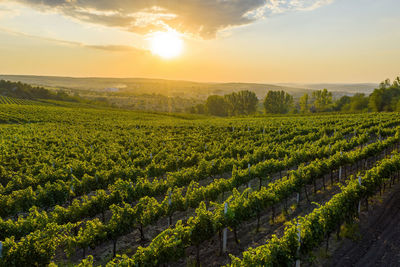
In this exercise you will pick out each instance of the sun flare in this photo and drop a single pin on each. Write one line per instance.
(166, 44)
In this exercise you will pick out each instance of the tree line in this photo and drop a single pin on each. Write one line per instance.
(384, 98)
(234, 104)
(27, 91)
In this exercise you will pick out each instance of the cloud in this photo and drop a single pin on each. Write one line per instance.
(282, 6)
(7, 12)
(203, 18)
(116, 48)
(112, 48)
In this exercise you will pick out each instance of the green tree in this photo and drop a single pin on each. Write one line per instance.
(304, 103)
(233, 104)
(322, 100)
(216, 105)
(278, 102)
(386, 97)
(342, 104)
(248, 101)
(241, 103)
(200, 109)
(359, 102)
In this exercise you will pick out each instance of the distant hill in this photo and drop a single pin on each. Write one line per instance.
(17, 92)
(168, 95)
(349, 88)
(185, 89)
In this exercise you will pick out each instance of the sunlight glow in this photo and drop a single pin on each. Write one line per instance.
(166, 44)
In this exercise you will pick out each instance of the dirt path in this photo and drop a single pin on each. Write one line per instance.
(379, 243)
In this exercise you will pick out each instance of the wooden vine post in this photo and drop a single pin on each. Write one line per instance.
(169, 204)
(340, 168)
(298, 248)
(225, 231)
(359, 202)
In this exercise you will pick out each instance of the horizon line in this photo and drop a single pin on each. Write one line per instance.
(193, 81)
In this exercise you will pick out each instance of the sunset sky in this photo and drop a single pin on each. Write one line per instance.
(213, 40)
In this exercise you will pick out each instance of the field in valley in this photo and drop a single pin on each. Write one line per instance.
(121, 188)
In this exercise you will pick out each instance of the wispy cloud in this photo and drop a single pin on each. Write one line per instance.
(282, 6)
(116, 48)
(112, 48)
(203, 18)
(7, 12)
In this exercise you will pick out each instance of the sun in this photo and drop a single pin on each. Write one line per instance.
(166, 44)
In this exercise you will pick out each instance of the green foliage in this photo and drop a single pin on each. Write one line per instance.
(278, 102)
(321, 100)
(26, 91)
(243, 206)
(304, 103)
(241, 103)
(386, 97)
(316, 226)
(234, 104)
(342, 104)
(216, 106)
(75, 179)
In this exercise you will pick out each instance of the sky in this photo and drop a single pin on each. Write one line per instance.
(264, 41)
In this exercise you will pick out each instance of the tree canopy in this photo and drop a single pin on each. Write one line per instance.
(241, 103)
(278, 102)
(322, 100)
(386, 97)
(216, 105)
(26, 91)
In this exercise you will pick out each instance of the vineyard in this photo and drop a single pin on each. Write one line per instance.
(17, 101)
(85, 187)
